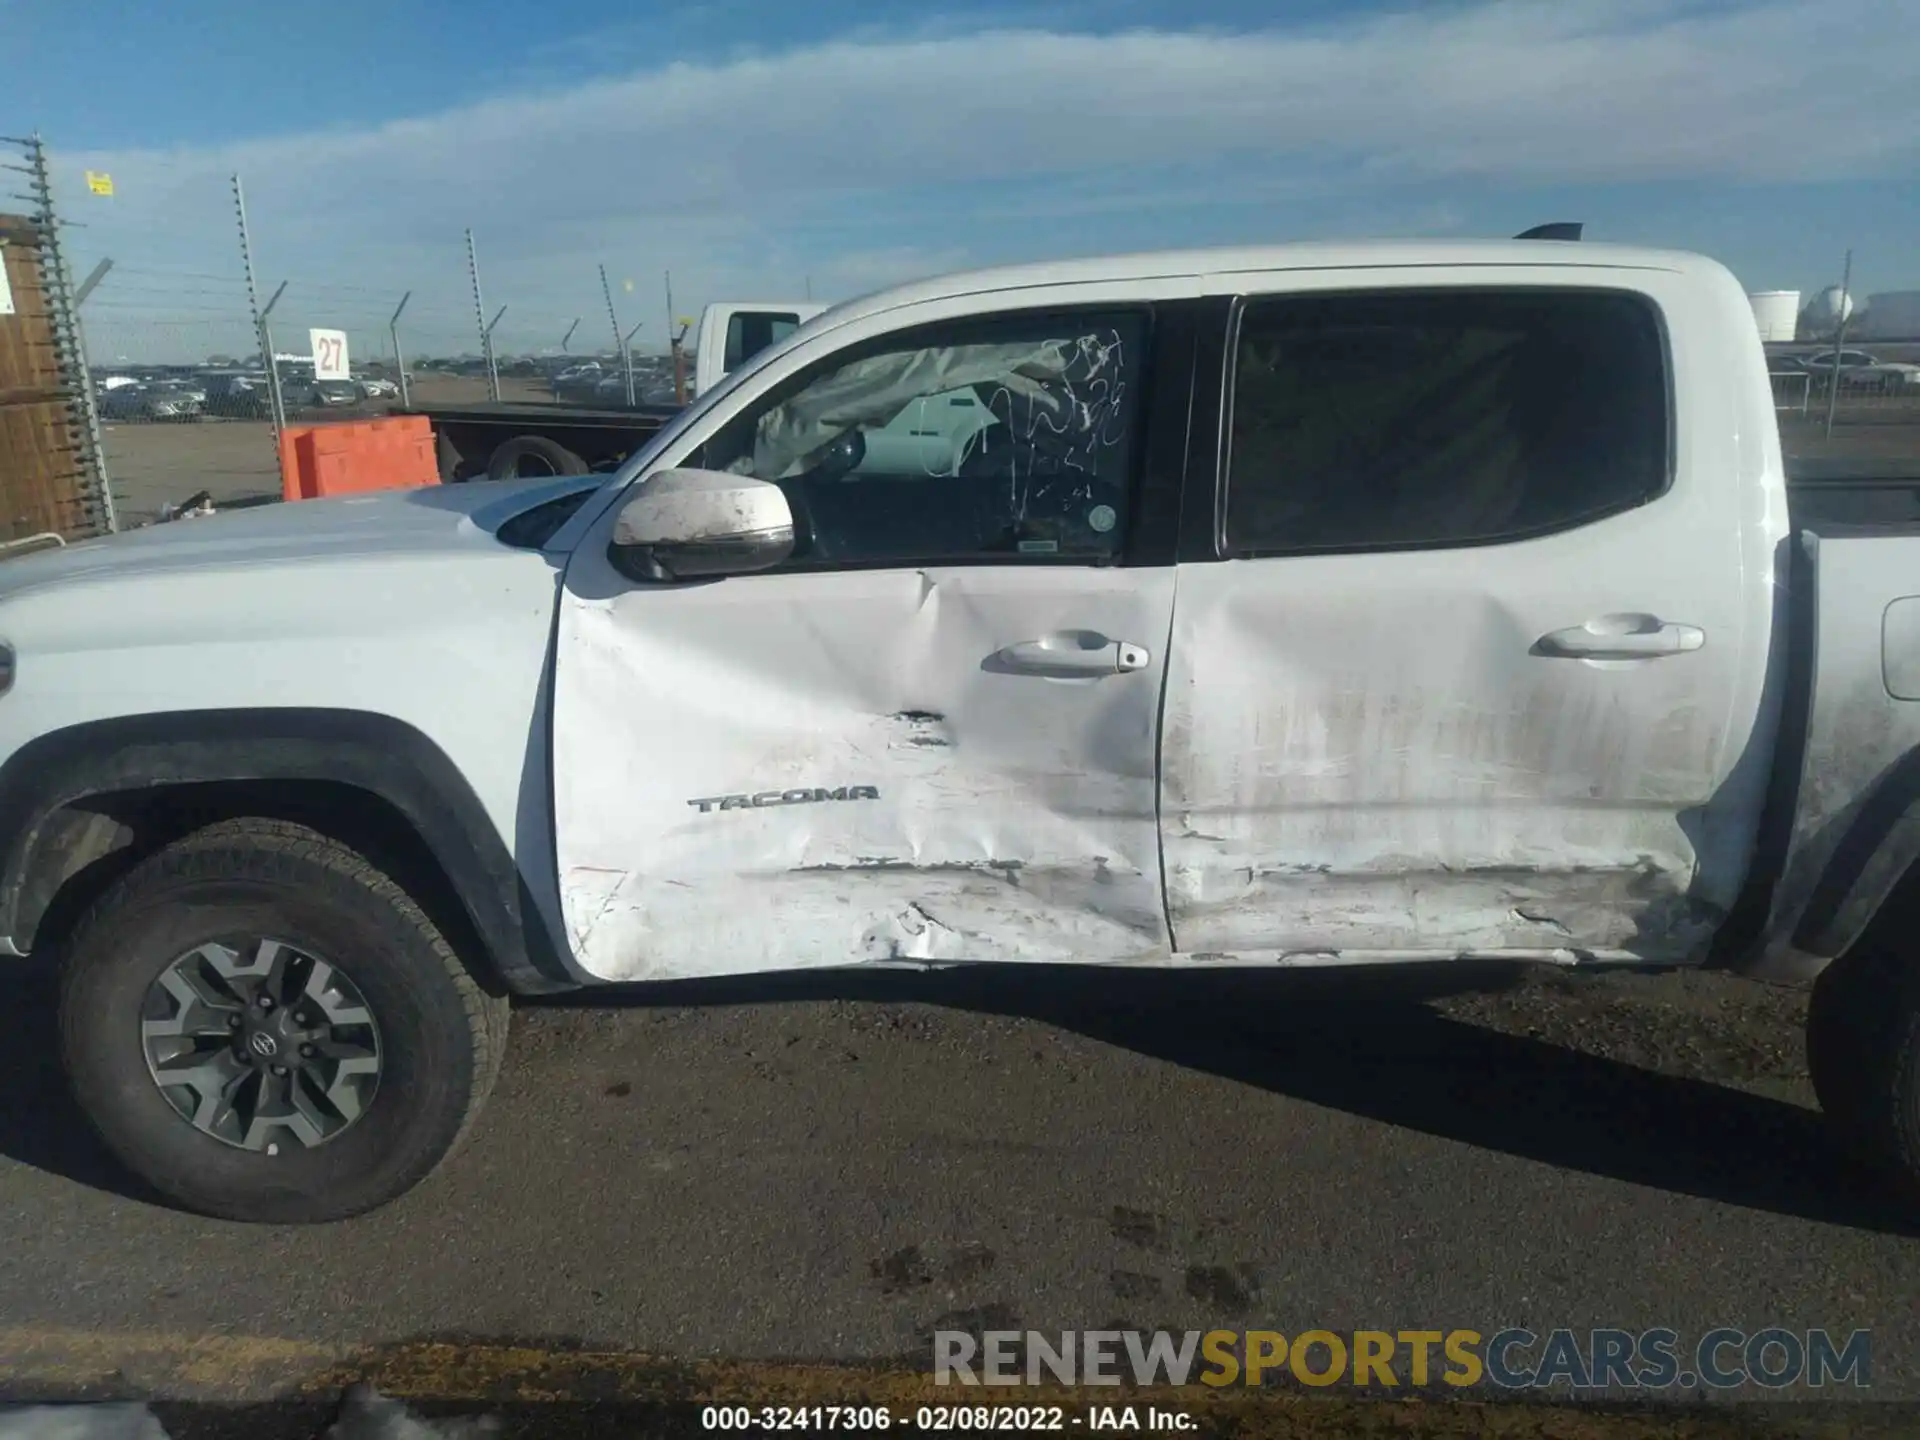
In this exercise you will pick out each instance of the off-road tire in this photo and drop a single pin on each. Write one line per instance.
(1863, 1052)
(551, 457)
(442, 1036)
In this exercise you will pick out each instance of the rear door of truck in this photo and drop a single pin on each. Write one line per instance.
(1470, 645)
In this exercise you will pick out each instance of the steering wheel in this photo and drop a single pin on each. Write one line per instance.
(838, 457)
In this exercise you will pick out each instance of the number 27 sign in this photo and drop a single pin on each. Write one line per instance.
(329, 354)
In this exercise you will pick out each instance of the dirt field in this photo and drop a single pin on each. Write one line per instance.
(830, 1167)
(1880, 432)
(151, 465)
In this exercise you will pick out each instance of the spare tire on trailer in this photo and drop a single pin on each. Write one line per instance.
(533, 455)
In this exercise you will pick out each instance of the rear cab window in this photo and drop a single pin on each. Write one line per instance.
(751, 331)
(1405, 419)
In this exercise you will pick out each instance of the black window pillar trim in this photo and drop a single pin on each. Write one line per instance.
(1154, 497)
(1202, 499)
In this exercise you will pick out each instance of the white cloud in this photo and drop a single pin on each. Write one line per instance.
(753, 172)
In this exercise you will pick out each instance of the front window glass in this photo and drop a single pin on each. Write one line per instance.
(1006, 438)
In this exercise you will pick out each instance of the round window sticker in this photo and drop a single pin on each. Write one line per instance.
(1101, 519)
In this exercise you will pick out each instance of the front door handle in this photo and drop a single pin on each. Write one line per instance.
(1621, 637)
(1069, 654)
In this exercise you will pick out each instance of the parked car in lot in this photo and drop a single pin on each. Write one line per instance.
(373, 387)
(1302, 606)
(320, 394)
(1858, 370)
(238, 396)
(151, 401)
(576, 382)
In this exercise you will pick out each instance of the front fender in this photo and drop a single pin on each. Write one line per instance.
(384, 757)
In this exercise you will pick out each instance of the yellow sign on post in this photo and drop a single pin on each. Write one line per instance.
(99, 182)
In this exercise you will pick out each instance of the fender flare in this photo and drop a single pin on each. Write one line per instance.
(1876, 845)
(385, 757)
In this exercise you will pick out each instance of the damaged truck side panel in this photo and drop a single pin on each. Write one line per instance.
(1305, 605)
(1014, 811)
(986, 815)
(1364, 753)
(1389, 749)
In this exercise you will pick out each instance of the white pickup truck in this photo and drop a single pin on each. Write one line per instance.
(1307, 605)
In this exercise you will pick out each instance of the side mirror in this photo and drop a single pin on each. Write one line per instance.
(693, 524)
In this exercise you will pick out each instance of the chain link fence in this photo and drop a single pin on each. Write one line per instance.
(195, 335)
(1863, 401)
(52, 483)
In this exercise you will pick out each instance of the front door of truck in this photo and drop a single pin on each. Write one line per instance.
(932, 734)
(1477, 664)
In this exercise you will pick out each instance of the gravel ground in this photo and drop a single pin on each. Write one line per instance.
(150, 465)
(825, 1169)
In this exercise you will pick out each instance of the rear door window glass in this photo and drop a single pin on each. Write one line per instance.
(1394, 419)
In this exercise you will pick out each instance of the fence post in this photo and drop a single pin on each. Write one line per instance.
(274, 397)
(493, 368)
(276, 403)
(675, 341)
(480, 319)
(88, 285)
(399, 355)
(1839, 340)
(626, 358)
(613, 321)
(63, 312)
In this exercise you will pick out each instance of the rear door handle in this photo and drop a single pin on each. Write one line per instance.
(1621, 637)
(1069, 654)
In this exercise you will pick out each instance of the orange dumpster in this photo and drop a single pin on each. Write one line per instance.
(317, 461)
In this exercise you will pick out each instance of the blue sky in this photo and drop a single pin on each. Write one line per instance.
(759, 147)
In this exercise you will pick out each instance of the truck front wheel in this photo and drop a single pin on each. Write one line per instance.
(265, 1027)
(1863, 1052)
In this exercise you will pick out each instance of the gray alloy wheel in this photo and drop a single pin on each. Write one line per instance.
(259, 1043)
(171, 1052)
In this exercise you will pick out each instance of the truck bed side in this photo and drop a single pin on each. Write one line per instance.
(1850, 806)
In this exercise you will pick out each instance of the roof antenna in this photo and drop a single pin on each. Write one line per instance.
(1553, 230)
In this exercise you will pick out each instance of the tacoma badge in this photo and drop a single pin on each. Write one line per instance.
(709, 803)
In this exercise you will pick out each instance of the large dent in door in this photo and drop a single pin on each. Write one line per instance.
(747, 784)
(1474, 812)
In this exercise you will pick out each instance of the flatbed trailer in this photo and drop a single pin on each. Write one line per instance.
(508, 439)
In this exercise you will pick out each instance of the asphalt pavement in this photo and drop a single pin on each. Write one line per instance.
(829, 1168)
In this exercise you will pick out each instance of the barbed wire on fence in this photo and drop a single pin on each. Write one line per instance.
(171, 328)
